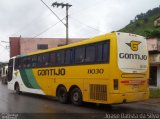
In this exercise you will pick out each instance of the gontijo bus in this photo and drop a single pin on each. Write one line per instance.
(108, 69)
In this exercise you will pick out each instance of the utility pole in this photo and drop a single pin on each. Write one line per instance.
(67, 5)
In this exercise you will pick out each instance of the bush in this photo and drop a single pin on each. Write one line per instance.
(155, 93)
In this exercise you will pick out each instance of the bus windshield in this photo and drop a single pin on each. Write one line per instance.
(132, 53)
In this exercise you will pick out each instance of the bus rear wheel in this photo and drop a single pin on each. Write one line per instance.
(76, 97)
(62, 95)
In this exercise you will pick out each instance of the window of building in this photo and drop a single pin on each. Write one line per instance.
(90, 53)
(42, 46)
(79, 54)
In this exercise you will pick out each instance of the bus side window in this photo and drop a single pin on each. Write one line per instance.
(52, 59)
(90, 54)
(106, 52)
(24, 62)
(28, 62)
(69, 56)
(40, 59)
(16, 63)
(34, 61)
(20, 63)
(99, 52)
(45, 58)
(10, 69)
(60, 57)
(103, 51)
(79, 54)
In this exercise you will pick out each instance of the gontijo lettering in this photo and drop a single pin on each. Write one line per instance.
(132, 56)
(51, 72)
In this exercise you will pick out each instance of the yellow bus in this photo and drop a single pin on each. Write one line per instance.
(108, 69)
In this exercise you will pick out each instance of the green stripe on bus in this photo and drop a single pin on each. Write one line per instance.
(24, 78)
(32, 79)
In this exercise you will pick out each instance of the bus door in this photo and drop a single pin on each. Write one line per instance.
(10, 70)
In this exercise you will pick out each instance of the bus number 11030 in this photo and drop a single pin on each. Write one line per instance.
(95, 71)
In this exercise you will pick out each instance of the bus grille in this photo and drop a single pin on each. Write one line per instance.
(98, 92)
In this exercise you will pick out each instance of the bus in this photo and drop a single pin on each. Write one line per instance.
(108, 69)
(3, 74)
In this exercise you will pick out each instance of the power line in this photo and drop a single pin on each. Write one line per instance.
(73, 19)
(26, 25)
(83, 9)
(30, 23)
(4, 47)
(85, 24)
(61, 20)
(47, 29)
(53, 12)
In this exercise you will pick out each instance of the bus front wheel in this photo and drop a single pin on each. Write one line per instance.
(76, 96)
(62, 95)
(17, 88)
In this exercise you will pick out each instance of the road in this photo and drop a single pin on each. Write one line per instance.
(10, 102)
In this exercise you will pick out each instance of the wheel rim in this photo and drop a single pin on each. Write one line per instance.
(76, 96)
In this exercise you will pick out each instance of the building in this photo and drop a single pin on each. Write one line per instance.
(20, 45)
(157, 22)
(154, 51)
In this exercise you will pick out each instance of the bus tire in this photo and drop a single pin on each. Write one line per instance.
(62, 95)
(76, 96)
(17, 88)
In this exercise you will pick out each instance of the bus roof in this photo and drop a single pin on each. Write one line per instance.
(94, 39)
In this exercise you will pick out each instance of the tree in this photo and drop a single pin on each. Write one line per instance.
(145, 19)
(152, 34)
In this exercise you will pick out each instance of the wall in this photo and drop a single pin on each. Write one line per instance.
(20, 45)
(158, 76)
(157, 22)
(14, 46)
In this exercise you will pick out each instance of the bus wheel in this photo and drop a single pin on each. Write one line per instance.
(17, 88)
(62, 95)
(76, 96)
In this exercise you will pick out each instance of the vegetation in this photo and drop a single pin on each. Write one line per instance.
(143, 24)
(154, 93)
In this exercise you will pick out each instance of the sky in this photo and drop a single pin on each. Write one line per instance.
(87, 18)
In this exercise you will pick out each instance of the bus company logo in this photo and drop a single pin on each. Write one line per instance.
(134, 45)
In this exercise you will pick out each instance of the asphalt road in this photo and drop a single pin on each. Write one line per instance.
(10, 102)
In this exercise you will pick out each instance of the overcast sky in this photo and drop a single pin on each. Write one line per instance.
(88, 18)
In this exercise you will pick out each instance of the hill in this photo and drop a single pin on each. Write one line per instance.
(143, 24)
